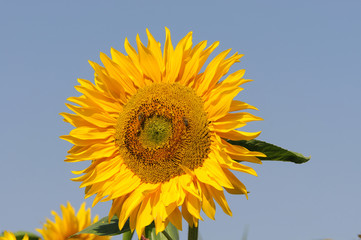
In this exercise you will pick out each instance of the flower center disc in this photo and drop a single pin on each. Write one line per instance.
(162, 129)
(155, 132)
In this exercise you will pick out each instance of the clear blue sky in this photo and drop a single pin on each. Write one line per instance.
(303, 55)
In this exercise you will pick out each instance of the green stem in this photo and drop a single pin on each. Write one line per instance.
(192, 233)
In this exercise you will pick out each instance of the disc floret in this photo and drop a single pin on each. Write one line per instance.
(155, 132)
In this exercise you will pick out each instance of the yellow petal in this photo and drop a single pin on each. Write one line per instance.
(175, 58)
(192, 221)
(108, 84)
(133, 55)
(208, 205)
(116, 72)
(154, 47)
(75, 120)
(220, 198)
(133, 218)
(128, 67)
(176, 218)
(148, 62)
(144, 217)
(101, 120)
(203, 177)
(232, 121)
(103, 100)
(215, 172)
(191, 67)
(238, 135)
(95, 151)
(129, 205)
(218, 105)
(238, 105)
(211, 72)
(241, 153)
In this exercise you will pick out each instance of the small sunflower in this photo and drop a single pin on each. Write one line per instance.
(156, 128)
(11, 236)
(62, 229)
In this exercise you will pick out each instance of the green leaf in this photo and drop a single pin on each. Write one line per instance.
(20, 235)
(172, 231)
(169, 233)
(273, 152)
(105, 228)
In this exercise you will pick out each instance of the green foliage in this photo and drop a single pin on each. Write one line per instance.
(105, 228)
(20, 235)
(273, 152)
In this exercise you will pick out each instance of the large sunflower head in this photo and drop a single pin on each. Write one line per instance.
(63, 228)
(156, 128)
(10, 236)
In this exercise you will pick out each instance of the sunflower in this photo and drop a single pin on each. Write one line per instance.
(156, 128)
(62, 229)
(11, 236)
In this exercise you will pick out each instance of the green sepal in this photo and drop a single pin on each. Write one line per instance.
(105, 228)
(169, 233)
(273, 152)
(128, 235)
(20, 235)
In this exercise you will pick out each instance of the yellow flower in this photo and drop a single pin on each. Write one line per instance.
(155, 128)
(11, 236)
(61, 229)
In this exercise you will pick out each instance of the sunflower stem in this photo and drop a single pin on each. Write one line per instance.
(192, 233)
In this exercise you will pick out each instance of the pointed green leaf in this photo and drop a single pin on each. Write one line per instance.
(20, 235)
(105, 228)
(273, 152)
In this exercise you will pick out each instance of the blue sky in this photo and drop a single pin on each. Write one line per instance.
(303, 55)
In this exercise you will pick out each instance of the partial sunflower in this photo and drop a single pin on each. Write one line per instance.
(156, 128)
(10, 236)
(62, 229)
